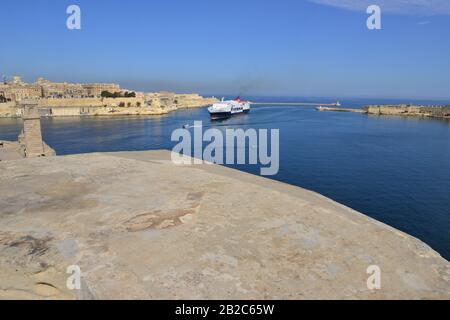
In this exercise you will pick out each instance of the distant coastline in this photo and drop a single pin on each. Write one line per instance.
(91, 99)
(162, 103)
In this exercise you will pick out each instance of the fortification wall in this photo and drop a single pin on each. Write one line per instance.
(159, 104)
(8, 110)
(193, 101)
(91, 102)
(437, 111)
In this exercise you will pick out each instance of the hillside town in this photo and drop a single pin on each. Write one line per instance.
(78, 99)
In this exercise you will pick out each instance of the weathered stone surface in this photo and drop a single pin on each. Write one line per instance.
(140, 227)
(8, 110)
(30, 143)
(32, 134)
(11, 150)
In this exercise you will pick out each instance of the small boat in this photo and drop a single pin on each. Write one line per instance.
(229, 108)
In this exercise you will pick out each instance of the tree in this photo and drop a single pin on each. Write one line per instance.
(106, 94)
(130, 95)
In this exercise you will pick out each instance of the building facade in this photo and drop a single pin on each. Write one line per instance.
(17, 90)
(96, 89)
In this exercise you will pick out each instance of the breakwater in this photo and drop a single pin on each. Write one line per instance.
(321, 108)
(306, 104)
(398, 110)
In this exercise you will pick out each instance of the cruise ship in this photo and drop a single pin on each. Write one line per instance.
(228, 108)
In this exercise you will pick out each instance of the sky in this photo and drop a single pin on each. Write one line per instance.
(307, 48)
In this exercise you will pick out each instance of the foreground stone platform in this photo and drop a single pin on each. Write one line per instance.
(140, 227)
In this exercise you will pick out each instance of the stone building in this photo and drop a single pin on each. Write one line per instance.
(75, 90)
(3, 92)
(17, 80)
(161, 100)
(17, 92)
(96, 89)
(63, 90)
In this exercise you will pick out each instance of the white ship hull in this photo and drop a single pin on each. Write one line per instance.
(226, 109)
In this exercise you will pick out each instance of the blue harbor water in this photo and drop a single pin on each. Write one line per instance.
(394, 169)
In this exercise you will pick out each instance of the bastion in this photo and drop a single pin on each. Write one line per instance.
(139, 227)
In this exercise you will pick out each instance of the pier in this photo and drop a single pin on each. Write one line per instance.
(310, 104)
(322, 108)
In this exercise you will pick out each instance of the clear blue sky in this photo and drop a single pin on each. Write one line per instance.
(251, 47)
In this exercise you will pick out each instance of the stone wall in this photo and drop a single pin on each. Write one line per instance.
(409, 110)
(11, 150)
(75, 102)
(91, 102)
(157, 103)
(193, 101)
(8, 110)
